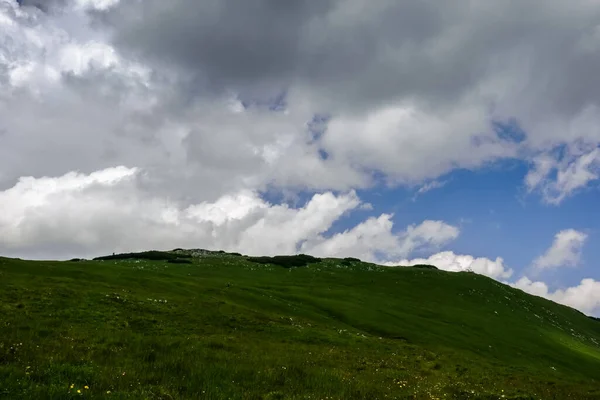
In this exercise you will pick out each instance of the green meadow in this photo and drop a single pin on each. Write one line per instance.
(210, 325)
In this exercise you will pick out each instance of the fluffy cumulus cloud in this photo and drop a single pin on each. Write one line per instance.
(448, 261)
(584, 297)
(565, 250)
(112, 210)
(375, 240)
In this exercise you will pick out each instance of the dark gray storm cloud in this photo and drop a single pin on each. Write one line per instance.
(369, 52)
(44, 5)
(230, 42)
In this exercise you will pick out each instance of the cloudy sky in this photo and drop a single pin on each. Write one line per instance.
(463, 134)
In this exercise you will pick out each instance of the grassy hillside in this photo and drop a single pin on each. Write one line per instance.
(226, 326)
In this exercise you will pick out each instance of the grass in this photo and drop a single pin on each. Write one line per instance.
(299, 260)
(224, 327)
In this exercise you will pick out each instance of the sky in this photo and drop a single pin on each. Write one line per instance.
(461, 134)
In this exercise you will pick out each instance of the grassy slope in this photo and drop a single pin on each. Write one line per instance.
(224, 327)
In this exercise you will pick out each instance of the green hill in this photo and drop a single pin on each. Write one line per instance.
(212, 325)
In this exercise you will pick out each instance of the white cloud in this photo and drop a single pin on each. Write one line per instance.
(110, 210)
(410, 144)
(584, 297)
(527, 285)
(571, 174)
(565, 250)
(374, 240)
(448, 261)
(282, 229)
(436, 233)
(96, 4)
(429, 186)
(79, 59)
(542, 166)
